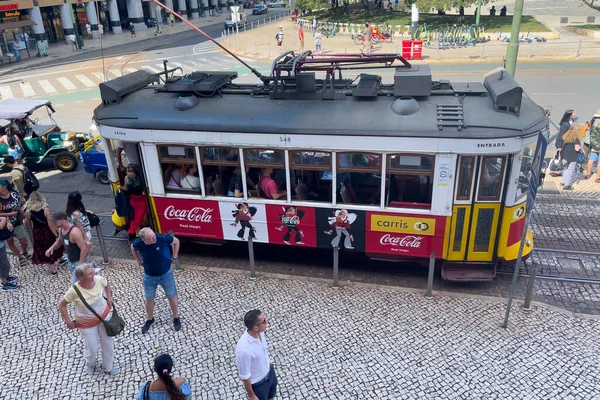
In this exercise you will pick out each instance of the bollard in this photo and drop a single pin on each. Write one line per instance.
(251, 257)
(482, 50)
(251, 24)
(531, 49)
(336, 260)
(529, 294)
(429, 294)
(269, 47)
(255, 50)
(177, 266)
(102, 246)
(578, 49)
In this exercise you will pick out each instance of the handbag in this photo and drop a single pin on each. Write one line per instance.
(581, 158)
(93, 218)
(114, 325)
(122, 204)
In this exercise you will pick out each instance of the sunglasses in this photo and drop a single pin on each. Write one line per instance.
(263, 322)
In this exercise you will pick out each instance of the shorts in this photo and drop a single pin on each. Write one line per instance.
(17, 152)
(594, 156)
(166, 280)
(267, 388)
(19, 231)
(279, 43)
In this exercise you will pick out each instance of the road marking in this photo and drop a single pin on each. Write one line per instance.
(129, 70)
(27, 89)
(85, 80)
(206, 48)
(99, 76)
(6, 92)
(116, 73)
(47, 86)
(161, 66)
(66, 83)
(155, 70)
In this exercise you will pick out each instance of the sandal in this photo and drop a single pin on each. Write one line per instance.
(597, 180)
(586, 176)
(22, 261)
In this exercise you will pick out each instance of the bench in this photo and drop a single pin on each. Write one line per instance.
(7, 57)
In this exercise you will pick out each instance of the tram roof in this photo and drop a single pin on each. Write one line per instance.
(239, 112)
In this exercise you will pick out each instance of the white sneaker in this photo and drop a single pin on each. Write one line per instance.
(113, 371)
(91, 370)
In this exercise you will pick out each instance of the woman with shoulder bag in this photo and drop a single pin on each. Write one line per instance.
(37, 217)
(570, 153)
(165, 387)
(88, 292)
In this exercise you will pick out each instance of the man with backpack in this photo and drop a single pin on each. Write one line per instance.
(23, 179)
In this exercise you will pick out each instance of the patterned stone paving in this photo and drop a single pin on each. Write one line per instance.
(357, 342)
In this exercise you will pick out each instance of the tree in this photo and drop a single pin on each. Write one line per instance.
(444, 5)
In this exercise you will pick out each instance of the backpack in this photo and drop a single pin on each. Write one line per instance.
(30, 182)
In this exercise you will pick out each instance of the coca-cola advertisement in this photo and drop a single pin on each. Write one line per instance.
(243, 220)
(341, 228)
(291, 225)
(185, 217)
(405, 235)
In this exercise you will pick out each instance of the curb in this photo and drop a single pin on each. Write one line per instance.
(343, 284)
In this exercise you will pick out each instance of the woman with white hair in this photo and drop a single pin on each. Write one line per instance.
(92, 288)
(37, 217)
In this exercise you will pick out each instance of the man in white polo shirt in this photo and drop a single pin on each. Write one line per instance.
(252, 358)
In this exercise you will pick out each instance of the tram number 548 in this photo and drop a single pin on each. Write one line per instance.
(285, 139)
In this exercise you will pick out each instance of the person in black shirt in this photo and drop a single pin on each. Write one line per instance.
(134, 185)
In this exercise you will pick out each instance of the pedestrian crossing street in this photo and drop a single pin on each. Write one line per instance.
(54, 84)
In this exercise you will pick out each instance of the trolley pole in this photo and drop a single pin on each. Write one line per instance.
(336, 261)
(515, 277)
(478, 14)
(512, 51)
(251, 256)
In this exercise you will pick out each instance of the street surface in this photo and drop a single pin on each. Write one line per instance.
(375, 338)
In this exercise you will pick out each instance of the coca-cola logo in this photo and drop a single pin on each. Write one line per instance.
(291, 220)
(401, 241)
(196, 214)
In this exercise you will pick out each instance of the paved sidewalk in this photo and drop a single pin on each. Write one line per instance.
(359, 342)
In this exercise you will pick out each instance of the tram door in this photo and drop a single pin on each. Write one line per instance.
(477, 207)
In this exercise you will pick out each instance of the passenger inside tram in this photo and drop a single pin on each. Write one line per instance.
(174, 175)
(236, 187)
(268, 186)
(192, 179)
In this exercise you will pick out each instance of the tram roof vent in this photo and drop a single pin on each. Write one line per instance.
(112, 92)
(414, 81)
(505, 91)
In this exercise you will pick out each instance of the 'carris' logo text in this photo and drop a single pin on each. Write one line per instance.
(401, 241)
(196, 214)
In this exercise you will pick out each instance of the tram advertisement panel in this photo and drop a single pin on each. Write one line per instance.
(405, 235)
(340, 227)
(189, 217)
(292, 225)
(243, 220)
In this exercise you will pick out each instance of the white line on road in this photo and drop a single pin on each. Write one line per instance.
(129, 70)
(6, 92)
(66, 83)
(99, 76)
(116, 73)
(85, 80)
(27, 89)
(47, 86)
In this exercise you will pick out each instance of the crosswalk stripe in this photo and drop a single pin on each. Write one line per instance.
(85, 80)
(129, 70)
(6, 92)
(152, 69)
(115, 72)
(161, 66)
(66, 83)
(47, 86)
(99, 75)
(27, 89)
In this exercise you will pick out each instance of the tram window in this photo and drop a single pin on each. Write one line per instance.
(219, 156)
(358, 178)
(262, 158)
(490, 178)
(180, 168)
(410, 179)
(466, 170)
(525, 171)
(222, 172)
(310, 182)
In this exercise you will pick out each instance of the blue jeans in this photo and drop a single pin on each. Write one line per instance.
(569, 173)
(72, 266)
(166, 280)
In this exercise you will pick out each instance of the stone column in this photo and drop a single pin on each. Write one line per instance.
(223, 5)
(194, 9)
(115, 18)
(90, 10)
(169, 4)
(40, 34)
(204, 7)
(182, 8)
(212, 7)
(136, 14)
(66, 19)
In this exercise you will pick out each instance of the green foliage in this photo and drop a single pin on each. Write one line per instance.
(590, 27)
(446, 5)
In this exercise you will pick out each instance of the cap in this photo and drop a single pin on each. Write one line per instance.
(597, 115)
(281, 26)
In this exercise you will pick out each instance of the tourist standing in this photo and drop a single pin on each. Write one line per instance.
(73, 239)
(92, 289)
(37, 216)
(8, 282)
(151, 251)
(10, 206)
(300, 37)
(279, 38)
(165, 387)
(570, 151)
(252, 358)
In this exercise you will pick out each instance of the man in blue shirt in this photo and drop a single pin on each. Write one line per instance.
(151, 251)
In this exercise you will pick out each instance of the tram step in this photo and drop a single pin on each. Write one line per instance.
(469, 272)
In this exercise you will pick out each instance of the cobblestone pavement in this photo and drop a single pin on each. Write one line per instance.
(357, 342)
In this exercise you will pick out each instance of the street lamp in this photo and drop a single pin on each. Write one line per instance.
(478, 14)
(512, 51)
